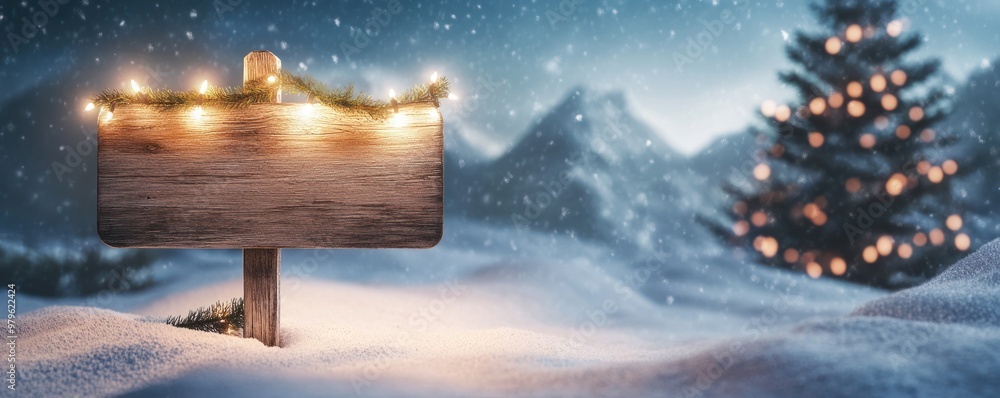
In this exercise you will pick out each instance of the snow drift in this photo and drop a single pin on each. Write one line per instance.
(498, 331)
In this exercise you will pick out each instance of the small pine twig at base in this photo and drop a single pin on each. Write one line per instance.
(221, 317)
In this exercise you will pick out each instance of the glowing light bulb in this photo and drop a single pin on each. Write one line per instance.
(878, 83)
(905, 251)
(434, 77)
(833, 45)
(894, 28)
(814, 270)
(838, 266)
(767, 108)
(452, 97)
(782, 113)
(870, 254)
(855, 89)
(197, 112)
(954, 222)
(853, 33)
(271, 79)
(89, 107)
(949, 167)
(816, 139)
(962, 242)
(896, 184)
(203, 88)
(856, 108)
(108, 116)
(135, 86)
(935, 174)
(867, 140)
(889, 102)
(817, 106)
(392, 94)
(761, 172)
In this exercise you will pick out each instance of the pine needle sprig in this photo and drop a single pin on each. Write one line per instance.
(345, 99)
(221, 317)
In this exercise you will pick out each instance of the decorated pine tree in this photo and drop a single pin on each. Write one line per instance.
(854, 180)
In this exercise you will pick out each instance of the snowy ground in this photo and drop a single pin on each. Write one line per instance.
(463, 320)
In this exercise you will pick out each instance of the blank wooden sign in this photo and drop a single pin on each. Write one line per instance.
(270, 176)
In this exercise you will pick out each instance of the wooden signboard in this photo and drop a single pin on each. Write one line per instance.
(269, 176)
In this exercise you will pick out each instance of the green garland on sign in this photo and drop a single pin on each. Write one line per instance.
(259, 91)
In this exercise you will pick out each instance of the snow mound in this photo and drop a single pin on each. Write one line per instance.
(495, 332)
(966, 293)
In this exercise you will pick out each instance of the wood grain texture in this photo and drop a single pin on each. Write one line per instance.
(261, 290)
(270, 176)
(261, 65)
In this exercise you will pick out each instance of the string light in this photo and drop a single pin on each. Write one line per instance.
(759, 219)
(392, 99)
(741, 228)
(833, 45)
(898, 77)
(894, 186)
(762, 172)
(89, 107)
(935, 174)
(923, 167)
(816, 139)
(867, 140)
(769, 247)
(814, 270)
(791, 255)
(904, 251)
(937, 237)
(197, 112)
(782, 113)
(877, 83)
(271, 79)
(950, 167)
(870, 254)
(434, 77)
(767, 108)
(817, 106)
(853, 33)
(452, 96)
(894, 28)
(920, 239)
(954, 222)
(852, 185)
(836, 100)
(884, 245)
(204, 87)
(889, 102)
(135, 87)
(962, 242)
(838, 266)
(916, 113)
(856, 108)
(927, 135)
(903, 131)
(855, 89)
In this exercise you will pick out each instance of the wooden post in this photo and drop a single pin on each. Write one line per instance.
(260, 295)
(261, 266)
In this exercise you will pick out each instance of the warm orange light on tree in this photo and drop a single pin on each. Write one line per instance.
(856, 108)
(950, 167)
(817, 106)
(877, 83)
(954, 222)
(838, 266)
(854, 33)
(898, 78)
(962, 242)
(836, 100)
(920, 239)
(867, 140)
(903, 132)
(815, 139)
(870, 254)
(833, 45)
(814, 270)
(762, 172)
(855, 89)
(889, 102)
(894, 186)
(936, 236)
(884, 245)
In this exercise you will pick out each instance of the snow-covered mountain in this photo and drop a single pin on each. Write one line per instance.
(588, 168)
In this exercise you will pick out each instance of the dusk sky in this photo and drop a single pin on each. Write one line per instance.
(528, 45)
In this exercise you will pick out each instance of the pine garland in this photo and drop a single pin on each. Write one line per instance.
(258, 91)
(221, 317)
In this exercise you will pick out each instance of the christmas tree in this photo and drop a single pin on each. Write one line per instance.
(853, 181)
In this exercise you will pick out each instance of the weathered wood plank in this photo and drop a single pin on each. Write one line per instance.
(261, 291)
(271, 175)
